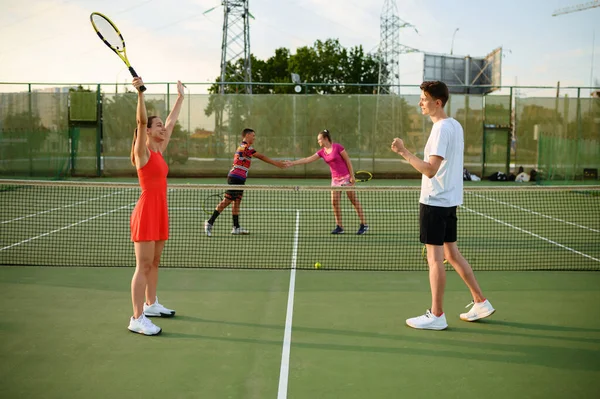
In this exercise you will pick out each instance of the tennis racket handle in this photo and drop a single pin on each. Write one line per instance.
(135, 75)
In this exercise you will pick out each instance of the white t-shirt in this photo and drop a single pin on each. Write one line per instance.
(445, 189)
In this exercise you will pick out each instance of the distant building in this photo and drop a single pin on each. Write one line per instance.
(201, 133)
(49, 104)
(64, 89)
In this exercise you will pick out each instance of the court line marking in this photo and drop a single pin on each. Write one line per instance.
(68, 226)
(77, 223)
(63, 207)
(287, 334)
(531, 234)
(536, 213)
(303, 210)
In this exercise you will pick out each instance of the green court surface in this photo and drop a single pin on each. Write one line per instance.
(63, 335)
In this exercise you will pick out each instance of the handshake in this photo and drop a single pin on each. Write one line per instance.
(285, 164)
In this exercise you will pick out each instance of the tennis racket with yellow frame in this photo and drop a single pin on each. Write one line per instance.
(109, 33)
(362, 176)
(210, 202)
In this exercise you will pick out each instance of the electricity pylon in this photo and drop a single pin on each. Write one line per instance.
(577, 7)
(390, 48)
(389, 108)
(235, 47)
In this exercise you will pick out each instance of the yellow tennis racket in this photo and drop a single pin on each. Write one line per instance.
(109, 33)
(209, 204)
(363, 175)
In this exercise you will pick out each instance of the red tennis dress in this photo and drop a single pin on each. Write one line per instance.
(150, 218)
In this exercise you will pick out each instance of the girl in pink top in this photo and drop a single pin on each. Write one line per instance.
(342, 174)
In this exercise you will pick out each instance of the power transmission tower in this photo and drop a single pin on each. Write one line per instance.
(390, 48)
(235, 48)
(577, 7)
(236, 66)
(390, 107)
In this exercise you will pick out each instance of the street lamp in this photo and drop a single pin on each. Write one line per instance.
(452, 47)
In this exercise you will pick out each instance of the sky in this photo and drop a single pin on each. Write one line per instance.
(53, 41)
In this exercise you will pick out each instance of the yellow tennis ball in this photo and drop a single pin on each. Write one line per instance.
(318, 265)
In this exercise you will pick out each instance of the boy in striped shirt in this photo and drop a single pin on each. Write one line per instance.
(242, 160)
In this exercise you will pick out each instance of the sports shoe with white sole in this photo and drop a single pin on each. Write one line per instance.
(143, 325)
(157, 310)
(478, 311)
(239, 230)
(337, 230)
(362, 229)
(428, 321)
(208, 228)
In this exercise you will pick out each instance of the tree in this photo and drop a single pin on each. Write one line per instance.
(328, 62)
(325, 62)
(25, 130)
(119, 120)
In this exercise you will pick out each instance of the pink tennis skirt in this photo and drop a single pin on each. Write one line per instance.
(340, 181)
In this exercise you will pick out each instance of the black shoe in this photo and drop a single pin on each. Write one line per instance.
(337, 230)
(363, 229)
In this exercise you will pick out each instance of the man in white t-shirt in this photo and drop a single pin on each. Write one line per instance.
(441, 194)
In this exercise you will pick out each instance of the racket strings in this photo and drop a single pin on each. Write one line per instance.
(210, 203)
(108, 32)
(363, 176)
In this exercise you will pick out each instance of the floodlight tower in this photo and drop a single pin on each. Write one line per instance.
(235, 48)
(390, 48)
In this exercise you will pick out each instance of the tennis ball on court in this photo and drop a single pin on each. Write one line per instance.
(318, 265)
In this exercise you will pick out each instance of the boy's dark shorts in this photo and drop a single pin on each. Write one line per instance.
(437, 224)
(234, 195)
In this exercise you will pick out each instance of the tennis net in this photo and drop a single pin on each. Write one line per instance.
(505, 228)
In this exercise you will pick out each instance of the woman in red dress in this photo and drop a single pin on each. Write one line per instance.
(150, 218)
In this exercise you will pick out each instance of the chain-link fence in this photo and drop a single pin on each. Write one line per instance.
(62, 131)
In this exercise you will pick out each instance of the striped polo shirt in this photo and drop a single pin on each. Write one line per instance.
(241, 161)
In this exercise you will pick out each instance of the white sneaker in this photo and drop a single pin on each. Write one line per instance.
(478, 311)
(143, 325)
(208, 228)
(157, 310)
(428, 321)
(239, 230)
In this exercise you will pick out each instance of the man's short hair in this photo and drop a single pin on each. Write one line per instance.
(246, 131)
(437, 90)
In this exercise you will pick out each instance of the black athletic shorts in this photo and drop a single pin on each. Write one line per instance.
(234, 195)
(438, 224)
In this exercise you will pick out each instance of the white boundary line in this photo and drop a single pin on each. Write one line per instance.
(536, 213)
(532, 234)
(77, 223)
(303, 210)
(67, 227)
(287, 335)
(62, 207)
